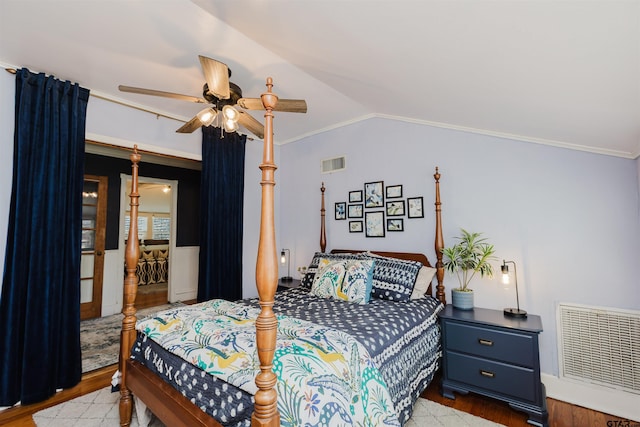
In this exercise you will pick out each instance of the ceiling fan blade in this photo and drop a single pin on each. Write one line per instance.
(190, 126)
(216, 74)
(288, 105)
(153, 92)
(292, 105)
(247, 121)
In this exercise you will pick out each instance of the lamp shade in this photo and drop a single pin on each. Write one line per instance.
(206, 116)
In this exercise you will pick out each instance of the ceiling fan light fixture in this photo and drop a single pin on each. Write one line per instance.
(207, 116)
(230, 113)
(230, 125)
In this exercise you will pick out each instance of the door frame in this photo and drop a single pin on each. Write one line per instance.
(124, 204)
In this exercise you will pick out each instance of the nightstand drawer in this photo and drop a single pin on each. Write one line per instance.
(509, 380)
(497, 344)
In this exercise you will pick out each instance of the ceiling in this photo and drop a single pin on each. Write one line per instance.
(558, 72)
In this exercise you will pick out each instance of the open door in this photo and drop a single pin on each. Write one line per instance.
(94, 224)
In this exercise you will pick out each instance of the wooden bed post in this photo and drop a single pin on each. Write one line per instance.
(323, 233)
(266, 409)
(439, 243)
(132, 253)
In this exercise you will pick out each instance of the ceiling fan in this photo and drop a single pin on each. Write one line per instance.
(223, 96)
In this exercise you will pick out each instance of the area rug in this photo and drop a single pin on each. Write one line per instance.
(100, 338)
(100, 408)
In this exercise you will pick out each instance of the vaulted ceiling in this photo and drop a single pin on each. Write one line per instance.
(564, 73)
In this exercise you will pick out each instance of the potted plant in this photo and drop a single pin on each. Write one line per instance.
(472, 254)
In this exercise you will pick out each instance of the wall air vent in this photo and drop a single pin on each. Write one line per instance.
(333, 165)
(600, 346)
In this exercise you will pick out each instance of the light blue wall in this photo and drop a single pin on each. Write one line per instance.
(569, 219)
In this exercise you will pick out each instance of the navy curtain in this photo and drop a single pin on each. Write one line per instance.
(221, 202)
(40, 300)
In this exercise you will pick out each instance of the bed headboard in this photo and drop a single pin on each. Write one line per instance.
(407, 256)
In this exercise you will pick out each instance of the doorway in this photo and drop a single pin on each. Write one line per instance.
(156, 236)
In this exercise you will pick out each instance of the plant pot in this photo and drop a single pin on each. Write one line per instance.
(462, 300)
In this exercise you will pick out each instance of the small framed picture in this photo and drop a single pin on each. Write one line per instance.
(355, 211)
(341, 210)
(355, 226)
(395, 224)
(373, 196)
(374, 224)
(393, 192)
(395, 208)
(415, 207)
(355, 196)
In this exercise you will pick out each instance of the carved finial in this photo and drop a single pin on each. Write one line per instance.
(135, 156)
(437, 175)
(269, 99)
(322, 188)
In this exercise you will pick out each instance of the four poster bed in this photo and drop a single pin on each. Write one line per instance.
(356, 343)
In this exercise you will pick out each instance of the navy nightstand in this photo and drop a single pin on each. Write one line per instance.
(283, 285)
(487, 353)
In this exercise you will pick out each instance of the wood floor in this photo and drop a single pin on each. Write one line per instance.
(561, 414)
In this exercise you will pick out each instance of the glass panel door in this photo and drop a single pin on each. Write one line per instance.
(94, 195)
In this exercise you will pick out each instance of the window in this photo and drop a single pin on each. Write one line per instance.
(142, 226)
(161, 228)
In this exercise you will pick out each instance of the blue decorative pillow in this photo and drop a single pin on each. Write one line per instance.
(307, 280)
(393, 279)
(328, 279)
(358, 280)
(346, 280)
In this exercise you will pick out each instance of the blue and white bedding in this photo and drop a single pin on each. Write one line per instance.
(401, 340)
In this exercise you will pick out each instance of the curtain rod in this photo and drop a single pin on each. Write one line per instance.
(11, 70)
(117, 101)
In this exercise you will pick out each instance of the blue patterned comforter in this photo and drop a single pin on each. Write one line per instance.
(403, 338)
(400, 340)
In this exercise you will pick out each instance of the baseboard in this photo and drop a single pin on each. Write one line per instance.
(602, 399)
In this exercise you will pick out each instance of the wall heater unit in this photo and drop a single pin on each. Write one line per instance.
(600, 346)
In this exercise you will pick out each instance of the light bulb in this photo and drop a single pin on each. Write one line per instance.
(505, 278)
(230, 126)
(230, 113)
(207, 116)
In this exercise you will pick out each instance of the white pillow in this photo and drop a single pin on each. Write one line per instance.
(425, 276)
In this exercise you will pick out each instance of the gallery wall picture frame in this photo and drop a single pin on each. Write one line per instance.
(355, 227)
(415, 207)
(395, 224)
(393, 192)
(395, 208)
(341, 210)
(374, 224)
(373, 194)
(355, 211)
(355, 196)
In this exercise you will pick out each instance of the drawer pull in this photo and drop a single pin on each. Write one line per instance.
(485, 342)
(487, 374)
